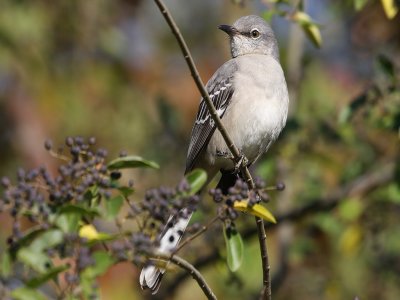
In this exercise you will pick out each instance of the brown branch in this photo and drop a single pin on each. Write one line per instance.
(180, 262)
(228, 140)
(358, 187)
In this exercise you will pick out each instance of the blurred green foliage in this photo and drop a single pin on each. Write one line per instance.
(112, 69)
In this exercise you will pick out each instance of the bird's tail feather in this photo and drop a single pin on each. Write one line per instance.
(150, 276)
(228, 179)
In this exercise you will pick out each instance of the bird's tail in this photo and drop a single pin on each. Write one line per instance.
(150, 276)
(228, 179)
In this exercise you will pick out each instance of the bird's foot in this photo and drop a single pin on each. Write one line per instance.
(241, 163)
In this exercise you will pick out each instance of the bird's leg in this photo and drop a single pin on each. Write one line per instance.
(242, 162)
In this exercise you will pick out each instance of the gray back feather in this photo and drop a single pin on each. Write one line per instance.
(220, 89)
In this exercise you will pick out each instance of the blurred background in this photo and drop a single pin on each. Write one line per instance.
(113, 70)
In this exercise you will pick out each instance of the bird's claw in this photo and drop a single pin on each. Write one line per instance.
(242, 162)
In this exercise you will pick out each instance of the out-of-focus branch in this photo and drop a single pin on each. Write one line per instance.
(266, 293)
(180, 262)
(358, 187)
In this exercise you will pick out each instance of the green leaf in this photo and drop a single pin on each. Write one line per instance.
(196, 178)
(350, 209)
(102, 262)
(5, 264)
(68, 222)
(78, 209)
(348, 111)
(38, 261)
(33, 254)
(24, 293)
(268, 14)
(91, 193)
(126, 191)
(43, 278)
(256, 210)
(390, 7)
(309, 27)
(28, 238)
(131, 161)
(234, 247)
(70, 216)
(386, 65)
(359, 4)
(113, 206)
(48, 239)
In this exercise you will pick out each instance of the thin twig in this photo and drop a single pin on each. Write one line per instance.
(228, 140)
(180, 262)
(191, 238)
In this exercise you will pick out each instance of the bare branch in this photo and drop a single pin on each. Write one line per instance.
(180, 262)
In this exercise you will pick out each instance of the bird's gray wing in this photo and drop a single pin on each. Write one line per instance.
(220, 89)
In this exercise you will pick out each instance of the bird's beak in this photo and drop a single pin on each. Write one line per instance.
(230, 30)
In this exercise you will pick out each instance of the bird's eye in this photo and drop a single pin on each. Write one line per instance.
(255, 34)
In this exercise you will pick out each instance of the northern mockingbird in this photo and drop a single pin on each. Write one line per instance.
(250, 94)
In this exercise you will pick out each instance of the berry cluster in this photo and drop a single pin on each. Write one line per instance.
(84, 182)
(38, 194)
(158, 205)
(240, 191)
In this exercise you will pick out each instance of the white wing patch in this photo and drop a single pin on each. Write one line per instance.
(220, 102)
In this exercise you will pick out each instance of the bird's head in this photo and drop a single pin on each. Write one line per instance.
(251, 35)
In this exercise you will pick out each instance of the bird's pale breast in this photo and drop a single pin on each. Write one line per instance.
(256, 115)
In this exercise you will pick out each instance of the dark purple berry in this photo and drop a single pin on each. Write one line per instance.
(21, 174)
(69, 141)
(48, 144)
(75, 150)
(5, 182)
(280, 186)
(92, 140)
(115, 175)
(79, 140)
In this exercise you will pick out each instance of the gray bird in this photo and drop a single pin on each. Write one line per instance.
(250, 94)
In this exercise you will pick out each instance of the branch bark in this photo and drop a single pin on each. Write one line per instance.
(180, 262)
(266, 291)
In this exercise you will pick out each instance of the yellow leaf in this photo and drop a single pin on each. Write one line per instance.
(89, 232)
(350, 240)
(390, 8)
(310, 28)
(256, 210)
